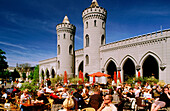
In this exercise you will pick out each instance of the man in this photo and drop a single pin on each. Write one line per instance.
(96, 100)
(162, 101)
(107, 104)
(41, 98)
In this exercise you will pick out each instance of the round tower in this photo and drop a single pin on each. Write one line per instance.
(94, 20)
(65, 47)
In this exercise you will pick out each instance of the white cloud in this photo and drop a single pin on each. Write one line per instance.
(13, 45)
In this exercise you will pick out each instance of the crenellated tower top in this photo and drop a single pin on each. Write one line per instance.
(94, 11)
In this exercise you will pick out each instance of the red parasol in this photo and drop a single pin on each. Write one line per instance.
(81, 76)
(119, 76)
(65, 77)
(138, 74)
(115, 77)
(93, 79)
(99, 74)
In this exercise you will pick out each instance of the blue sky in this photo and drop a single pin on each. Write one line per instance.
(28, 34)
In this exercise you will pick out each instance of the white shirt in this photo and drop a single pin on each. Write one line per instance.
(4, 95)
(25, 98)
(147, 95)
(19, 85)
(110, 107)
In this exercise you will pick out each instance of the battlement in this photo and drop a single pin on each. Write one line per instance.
(159, 35)
(65, 25)
(97, 12)
(54, 59)
(79, 52)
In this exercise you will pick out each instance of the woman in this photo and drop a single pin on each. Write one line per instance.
(24, 98)
(162, 101)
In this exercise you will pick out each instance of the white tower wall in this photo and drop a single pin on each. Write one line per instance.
(65, 47)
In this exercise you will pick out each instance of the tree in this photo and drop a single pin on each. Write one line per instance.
(24, 75)
(3, 63)
(15, 74)
(36, 73)
(31, 75)
(24, 68)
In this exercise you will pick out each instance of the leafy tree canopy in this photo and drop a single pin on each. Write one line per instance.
(3, 63)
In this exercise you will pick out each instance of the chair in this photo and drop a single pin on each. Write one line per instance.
(88, 109)
(139, 103)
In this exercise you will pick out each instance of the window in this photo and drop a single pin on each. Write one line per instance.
(70, 49)
(58, 49)
(87, 40)
(58, 64)
(64, 36)
(87, 59)
(71, 37)
(86, 25)
(103, 25)
(102, 40)
(95, 23)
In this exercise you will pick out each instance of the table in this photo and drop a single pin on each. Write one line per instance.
(34, 106)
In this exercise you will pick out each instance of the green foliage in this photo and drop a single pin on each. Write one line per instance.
(3, 63)
(36, 73)
(15, 74)
(85, 79)
(30, 86)
(56, 79)
(75, 80)
(31, 76)
(24, 75)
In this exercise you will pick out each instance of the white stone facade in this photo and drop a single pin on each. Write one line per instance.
(148, 54)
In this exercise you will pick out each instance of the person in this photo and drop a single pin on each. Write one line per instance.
(4, 94)
(162, 101)
(24, 97)
(41, 98)
(131, 97)
(67, 104)
(79, 99)
(107, 104)
(96, 99)
(19, 85)
(48, 82)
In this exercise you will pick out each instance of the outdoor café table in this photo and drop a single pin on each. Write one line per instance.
(34, 106)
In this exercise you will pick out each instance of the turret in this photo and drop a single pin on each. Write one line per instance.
(65, 47)
(94, 20)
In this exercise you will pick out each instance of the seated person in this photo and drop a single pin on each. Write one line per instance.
(131, 97)
(162, 101)
(107, 104)
(41, 98)
(55, 96)
(68, 104)
(95, 99)
(4, 94)
(24, 98)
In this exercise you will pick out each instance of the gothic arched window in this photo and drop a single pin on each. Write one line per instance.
(86, 24)
(58, 64)
(87, 59)
(103, 25)
(58, 49)
(102, 40)
(87, 40)
(64, 36)
(70, 49)
(95, 23)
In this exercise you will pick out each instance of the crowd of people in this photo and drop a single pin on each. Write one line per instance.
(93, 95)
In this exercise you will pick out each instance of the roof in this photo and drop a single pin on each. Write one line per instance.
(66, 19)
(94, 3)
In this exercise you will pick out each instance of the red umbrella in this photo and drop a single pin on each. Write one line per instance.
(93, 79)
(99, 74)
(115, 77)
(138, 74)
(119, 76)
(65, 77)
(82, 77)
